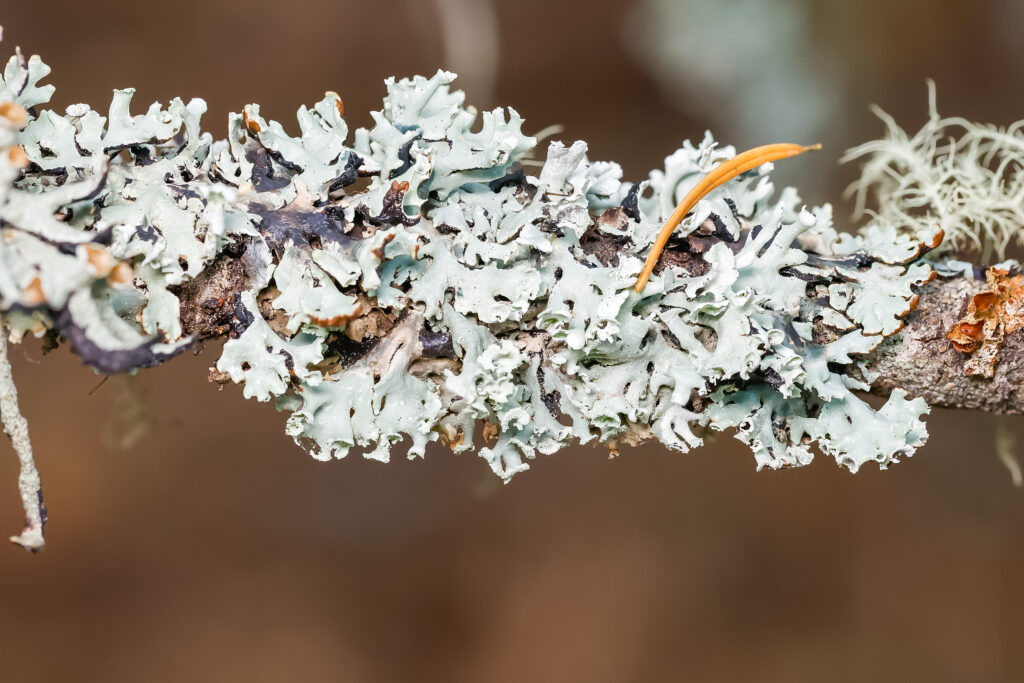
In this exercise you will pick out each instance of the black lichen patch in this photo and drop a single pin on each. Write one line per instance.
(772, 378)
(437, 344)
(515, 177)
(265, 178)
(346, 350)
(552, 398)
(147, 233)
(243, 316)
(809, 277)
(393, 210)
(350, 173)
(109, 361)
(850, 261)
(631, 204)
(405, 156)
(304, 228)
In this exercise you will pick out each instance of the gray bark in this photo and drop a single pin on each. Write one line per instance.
(922, 361)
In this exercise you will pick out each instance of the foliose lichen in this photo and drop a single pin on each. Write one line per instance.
(454, 294)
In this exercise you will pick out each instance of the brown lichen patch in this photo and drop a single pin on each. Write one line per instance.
(207, 303)
(926, 246)
(14, 113)
(374, 323)
(605, 247)
(17, 156)
(991, 315)
(33, 294)
(99, 258)
(275, 317)
(916, 299)
(219, 378)
(338, 103)
(364, 322)
(339, 321)
(451, 437)
(823, 334)
(434, 368)
(615, 219)
(379, 250)
(607, 237)
(252, 125)
(491, 431)
(121, 274)
(693, 264)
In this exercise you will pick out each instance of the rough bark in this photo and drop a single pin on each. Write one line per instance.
(922, 361)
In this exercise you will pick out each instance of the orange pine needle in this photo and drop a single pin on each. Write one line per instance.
(719, 175)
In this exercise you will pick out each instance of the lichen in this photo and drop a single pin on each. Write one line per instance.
(455, 296)
(962, 176)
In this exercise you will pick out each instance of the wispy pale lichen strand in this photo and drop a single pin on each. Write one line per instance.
(961, 176)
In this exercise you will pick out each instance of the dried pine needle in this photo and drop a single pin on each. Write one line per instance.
(721, 174)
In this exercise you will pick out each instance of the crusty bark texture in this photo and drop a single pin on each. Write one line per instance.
(922, 360)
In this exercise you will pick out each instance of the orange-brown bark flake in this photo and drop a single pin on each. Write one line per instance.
(991, 315)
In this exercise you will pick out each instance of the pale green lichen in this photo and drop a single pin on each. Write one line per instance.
(264, 362)
(489, 301)
(961, 176)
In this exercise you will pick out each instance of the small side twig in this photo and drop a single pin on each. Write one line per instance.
(1006, 447)
(16, 427)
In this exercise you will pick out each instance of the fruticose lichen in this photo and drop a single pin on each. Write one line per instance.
(452, 290)
(963, 176)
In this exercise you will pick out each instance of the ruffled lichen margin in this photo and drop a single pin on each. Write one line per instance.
(413, 282)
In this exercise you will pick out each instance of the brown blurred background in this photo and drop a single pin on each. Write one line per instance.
(192, 541)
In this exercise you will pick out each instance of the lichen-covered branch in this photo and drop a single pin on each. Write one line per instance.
(415, 283)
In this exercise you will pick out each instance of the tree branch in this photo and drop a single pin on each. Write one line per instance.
(16, 427)
(416, 284)
(921, 360)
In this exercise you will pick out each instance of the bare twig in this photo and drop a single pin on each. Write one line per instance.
(16, 427)
(1006, 449)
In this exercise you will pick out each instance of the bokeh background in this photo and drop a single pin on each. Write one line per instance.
(192, 541)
